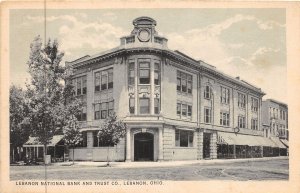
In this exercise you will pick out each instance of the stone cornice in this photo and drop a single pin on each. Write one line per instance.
(187, 61)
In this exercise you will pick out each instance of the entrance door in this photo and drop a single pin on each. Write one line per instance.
(206, 145)
(143, 147)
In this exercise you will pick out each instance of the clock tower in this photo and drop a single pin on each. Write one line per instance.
(144, 34)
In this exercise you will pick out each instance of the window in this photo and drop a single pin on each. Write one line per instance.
(104, 80)
(283, 116)
(97, 111)
(131, 74)
(80, 85)
(102, 110)
(184, 82)
(110, 108)
(179, 109)
(97, 81)
(270, 112)
(184, 110)
(156, 106)
(207, 92)
(242, 122)
(241, 100)
(131, 105)
(84, 85)
(82, 115)
(254, 104)
(144, 73)
(189, 84)
(157, 74)
(254, 124)
(110, 79)
(189, 113)
(224, 95)
(97, 142)
(184, 138)
(144, 106)
(224, 119)
(207, 115)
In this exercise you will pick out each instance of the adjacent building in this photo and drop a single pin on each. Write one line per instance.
(175, 107)
(275, 120)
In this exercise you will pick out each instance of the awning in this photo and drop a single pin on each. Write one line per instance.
(277, 141)
(239, 139)
(266, 142)
(285, 142)
(34, 142)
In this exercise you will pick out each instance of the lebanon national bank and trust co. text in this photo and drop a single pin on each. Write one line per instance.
(89, 183)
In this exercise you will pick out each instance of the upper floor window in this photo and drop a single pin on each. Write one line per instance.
(224, 118)
(80, 85)
(82, 115)
(184, 110)
(144, 106)
(131, 105)
(156, 106)
(224, 95)
(254, 124)
(102, 110)
(144, 73)
(131, 73)
(207, 92)
(184, 138)
(207, 115)
(254, 104)
(104, 80)
(241, 100)
(156, 74)
(242, 122)
(184, 82)
(283, 116)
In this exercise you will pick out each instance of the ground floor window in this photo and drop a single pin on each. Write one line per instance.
(184, 138)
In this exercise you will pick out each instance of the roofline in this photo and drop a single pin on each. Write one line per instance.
(175, 54)
(276, 101)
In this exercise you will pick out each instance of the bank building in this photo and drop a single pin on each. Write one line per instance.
(175, 107)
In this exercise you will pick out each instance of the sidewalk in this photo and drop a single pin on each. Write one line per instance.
(163, 163)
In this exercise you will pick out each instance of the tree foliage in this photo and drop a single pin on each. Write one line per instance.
(111, 131)
(46, 88)
(18, 109)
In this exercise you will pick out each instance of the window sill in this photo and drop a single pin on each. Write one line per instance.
(106, 90)
(184, 93)
(177, 147)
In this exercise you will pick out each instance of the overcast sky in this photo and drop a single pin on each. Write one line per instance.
(249, 43)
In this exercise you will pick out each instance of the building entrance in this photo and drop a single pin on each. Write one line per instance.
(143, 147)
(206, 145)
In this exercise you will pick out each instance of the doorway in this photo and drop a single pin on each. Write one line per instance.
(143, 147)
(206, 145)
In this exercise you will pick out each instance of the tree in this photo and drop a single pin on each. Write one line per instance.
(111, 131)
(72, 106)
(18, 109)
(46, 90)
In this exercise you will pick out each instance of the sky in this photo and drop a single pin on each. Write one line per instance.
(249, 43)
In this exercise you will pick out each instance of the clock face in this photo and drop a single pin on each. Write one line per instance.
(144, 35)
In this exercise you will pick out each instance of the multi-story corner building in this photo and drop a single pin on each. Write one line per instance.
(175, 107)
(275, 115)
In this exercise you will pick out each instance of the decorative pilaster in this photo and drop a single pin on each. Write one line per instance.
(200, 145)
(213, 145)
(128, 145)
(160, 144)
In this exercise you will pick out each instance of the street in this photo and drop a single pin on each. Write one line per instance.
(274, 169)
